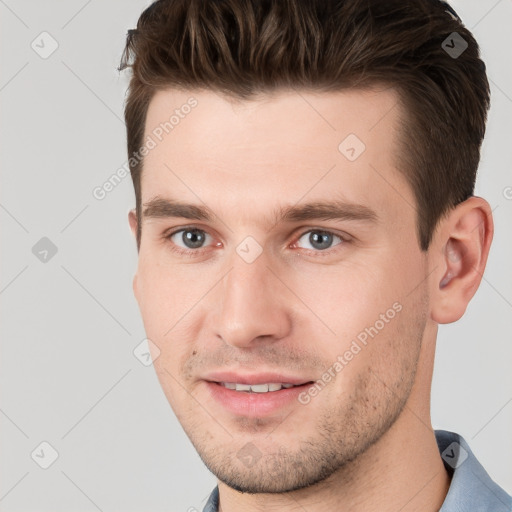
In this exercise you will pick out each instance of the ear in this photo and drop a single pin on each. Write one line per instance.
(459, 248)
(132, 220)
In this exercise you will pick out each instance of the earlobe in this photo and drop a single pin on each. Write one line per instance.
(463, 244)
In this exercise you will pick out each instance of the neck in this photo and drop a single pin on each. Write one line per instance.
(402, 471)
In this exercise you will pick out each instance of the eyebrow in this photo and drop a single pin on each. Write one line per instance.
(159, 207)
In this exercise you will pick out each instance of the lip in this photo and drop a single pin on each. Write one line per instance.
(255, 378)
(256, 405)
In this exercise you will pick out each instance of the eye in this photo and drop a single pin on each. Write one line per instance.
(189, 239)
(319, 240)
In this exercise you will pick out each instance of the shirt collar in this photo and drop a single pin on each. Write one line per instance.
(471, 487)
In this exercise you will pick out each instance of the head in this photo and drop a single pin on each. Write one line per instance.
(304, 176)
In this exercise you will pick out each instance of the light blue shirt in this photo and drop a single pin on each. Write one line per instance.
(471, 488)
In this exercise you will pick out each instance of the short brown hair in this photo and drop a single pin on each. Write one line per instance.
(245, 47)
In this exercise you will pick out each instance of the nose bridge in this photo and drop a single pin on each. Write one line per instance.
(250, 305)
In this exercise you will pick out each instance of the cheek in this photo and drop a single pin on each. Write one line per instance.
(377, 361)
(348, 296)
(168, 300)
(163, 293)
(363, 301)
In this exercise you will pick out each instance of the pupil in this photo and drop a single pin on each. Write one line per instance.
(193, 238)
(322, 240)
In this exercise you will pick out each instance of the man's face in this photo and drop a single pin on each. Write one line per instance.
(253, 291)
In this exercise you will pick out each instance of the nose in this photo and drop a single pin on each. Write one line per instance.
(252, 304)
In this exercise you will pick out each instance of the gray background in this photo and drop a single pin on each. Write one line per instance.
(70, 324)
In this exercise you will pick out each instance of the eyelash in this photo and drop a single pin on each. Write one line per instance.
(316, 253)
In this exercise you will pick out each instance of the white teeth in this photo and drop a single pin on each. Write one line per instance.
(259, 388)
(256, 388)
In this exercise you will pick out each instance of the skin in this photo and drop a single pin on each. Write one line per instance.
(365, 442)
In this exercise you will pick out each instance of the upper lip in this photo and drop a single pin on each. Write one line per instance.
(255, 378)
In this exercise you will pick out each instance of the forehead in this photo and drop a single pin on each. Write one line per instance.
(284, 119)
(283, 146)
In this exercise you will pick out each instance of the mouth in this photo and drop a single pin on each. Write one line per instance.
(237, 381)
(270, 387)
(256, 399)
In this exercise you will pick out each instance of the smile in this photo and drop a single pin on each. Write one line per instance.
(256, 388)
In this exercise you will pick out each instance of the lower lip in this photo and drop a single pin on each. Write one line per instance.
(255, 405)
